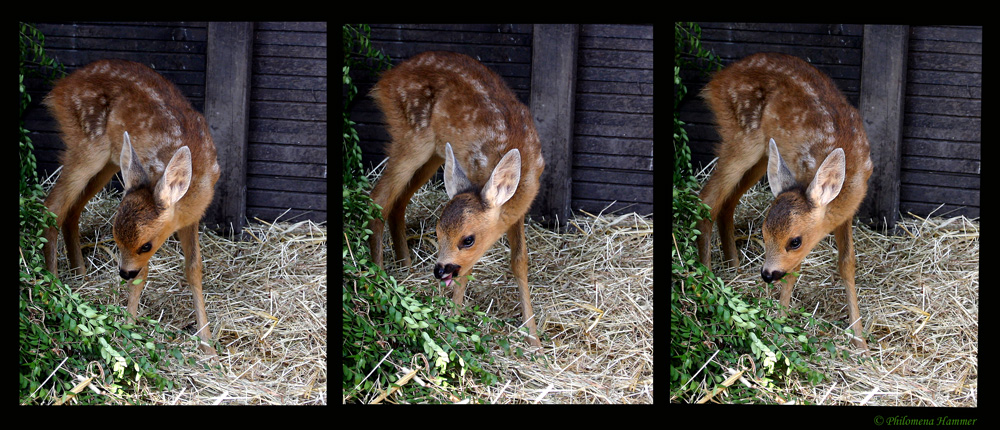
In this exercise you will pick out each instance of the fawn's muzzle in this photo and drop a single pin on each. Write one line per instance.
(770, 277)
(128, 275)
(446, 272)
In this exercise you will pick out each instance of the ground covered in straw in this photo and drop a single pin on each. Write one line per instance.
(265, 297)
(919, 297)
(592, 292)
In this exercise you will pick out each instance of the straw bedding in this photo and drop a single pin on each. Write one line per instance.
(266, 299)
(591, 288)
(919, 297)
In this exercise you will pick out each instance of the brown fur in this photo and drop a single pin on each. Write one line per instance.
(95, 106)
(775, 96)
(436, 98)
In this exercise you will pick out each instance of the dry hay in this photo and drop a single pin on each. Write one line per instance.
(266, 301)
(919, 297)
(592, 292)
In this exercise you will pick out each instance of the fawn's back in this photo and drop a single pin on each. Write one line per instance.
(96, 105)
(779, 96)
(440, 98)
(775, 96)
(436, 98)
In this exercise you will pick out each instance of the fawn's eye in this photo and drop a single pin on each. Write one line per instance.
(145, 247)
(795, 243)
(468, 241)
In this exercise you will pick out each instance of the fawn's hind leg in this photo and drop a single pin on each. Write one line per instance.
(83, 168)
(731, 179)
(409, 167)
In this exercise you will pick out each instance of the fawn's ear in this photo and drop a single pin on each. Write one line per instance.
(829, 178)
(454, 177)
(133, 174)
(176, 178)
(779, 176)
(503, 182)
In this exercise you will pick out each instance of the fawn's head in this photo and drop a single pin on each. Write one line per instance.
(145, 217)
(796, 220)
(470, 222)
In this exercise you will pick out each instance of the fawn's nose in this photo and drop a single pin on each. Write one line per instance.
(128, 275)
(771, 276)
(441, 270)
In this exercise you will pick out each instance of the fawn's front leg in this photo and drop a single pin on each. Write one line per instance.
(519, 266)
(846, 266)
(787, 285)
(192, 271)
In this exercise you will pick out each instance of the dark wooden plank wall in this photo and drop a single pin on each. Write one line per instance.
(287, 153)
(942, 113)
(942, 123)
(883, 87)
(613, 152)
